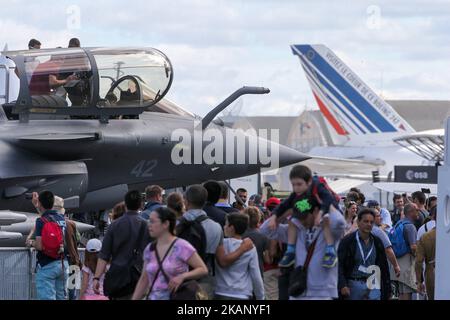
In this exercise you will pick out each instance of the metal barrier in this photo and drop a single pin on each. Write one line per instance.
(17, 273)
(6, 75)
(5, 96)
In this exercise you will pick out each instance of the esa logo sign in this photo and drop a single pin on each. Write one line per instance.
(414, 175)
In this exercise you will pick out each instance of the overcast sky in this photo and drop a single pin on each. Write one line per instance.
(399, 48)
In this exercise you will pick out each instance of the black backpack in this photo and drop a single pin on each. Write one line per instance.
(194, 233)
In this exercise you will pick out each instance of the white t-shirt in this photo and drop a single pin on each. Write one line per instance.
(386, 219)
(425, 228)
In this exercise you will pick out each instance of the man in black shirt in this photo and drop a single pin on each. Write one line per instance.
(360, 255)
(123, 245)
(242, 194)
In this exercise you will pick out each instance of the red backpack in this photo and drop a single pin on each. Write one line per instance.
(52, 239)
(321, 180)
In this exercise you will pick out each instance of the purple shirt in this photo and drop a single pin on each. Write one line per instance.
(176, 263)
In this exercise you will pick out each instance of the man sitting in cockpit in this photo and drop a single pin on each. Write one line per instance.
(130, 96)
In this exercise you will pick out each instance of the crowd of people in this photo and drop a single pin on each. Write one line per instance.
(312, 245)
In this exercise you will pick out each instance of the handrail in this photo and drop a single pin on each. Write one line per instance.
(25, 249)
(225, 103)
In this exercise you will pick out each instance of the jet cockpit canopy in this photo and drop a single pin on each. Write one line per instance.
(93, 82)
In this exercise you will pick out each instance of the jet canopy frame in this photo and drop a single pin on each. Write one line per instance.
(90, 82)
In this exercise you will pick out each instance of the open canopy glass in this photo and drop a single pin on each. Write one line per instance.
(90, 79)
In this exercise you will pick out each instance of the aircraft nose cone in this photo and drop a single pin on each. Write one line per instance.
(280, 155)
(290, 156)
(7, 218)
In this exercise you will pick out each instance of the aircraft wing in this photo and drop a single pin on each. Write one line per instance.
(342, 186)
(342, 168)
(399, 187)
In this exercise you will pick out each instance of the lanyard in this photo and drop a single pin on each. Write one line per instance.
(362, 251)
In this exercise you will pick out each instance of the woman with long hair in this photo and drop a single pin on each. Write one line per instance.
(351, 211)
(118, 210)
(177, 257)
(175, 202)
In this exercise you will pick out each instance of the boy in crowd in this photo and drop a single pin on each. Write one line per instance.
(321, 282)
(242, 279)
(303, 183)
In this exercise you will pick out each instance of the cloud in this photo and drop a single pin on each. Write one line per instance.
(17, 34)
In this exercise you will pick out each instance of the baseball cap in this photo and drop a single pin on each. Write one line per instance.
(272, 202)
(94, 245)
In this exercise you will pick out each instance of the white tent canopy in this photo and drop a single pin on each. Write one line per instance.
(398, 187)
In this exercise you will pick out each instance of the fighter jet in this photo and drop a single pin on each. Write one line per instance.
(91, 123)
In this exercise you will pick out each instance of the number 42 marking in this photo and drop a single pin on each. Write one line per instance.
(143, 169)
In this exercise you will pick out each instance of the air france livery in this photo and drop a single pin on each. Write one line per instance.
(350, 106)
(361, 123)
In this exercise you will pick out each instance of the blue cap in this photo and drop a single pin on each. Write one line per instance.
(372, 203)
